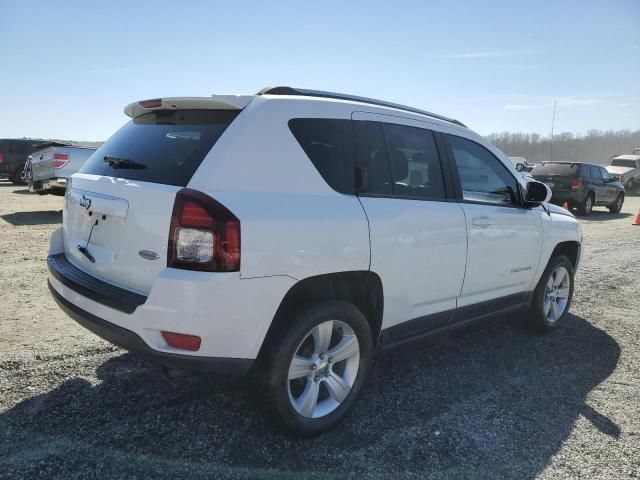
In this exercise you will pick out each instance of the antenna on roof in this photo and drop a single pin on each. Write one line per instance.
(553, 121)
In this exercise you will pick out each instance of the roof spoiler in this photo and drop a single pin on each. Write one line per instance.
(214, 102)
(282, 90)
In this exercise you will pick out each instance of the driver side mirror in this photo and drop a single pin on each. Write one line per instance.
(519, 167)
(536, 193)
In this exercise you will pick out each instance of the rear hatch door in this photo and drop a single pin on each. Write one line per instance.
(557, 176)
(118, 209)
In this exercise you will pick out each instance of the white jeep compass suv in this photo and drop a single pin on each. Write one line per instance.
(292, 232)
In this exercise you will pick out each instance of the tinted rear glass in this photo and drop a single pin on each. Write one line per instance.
(329, 145)
(166, 146)
(564, 169)
(623, 163)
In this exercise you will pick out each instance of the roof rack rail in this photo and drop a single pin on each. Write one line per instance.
(342, 96)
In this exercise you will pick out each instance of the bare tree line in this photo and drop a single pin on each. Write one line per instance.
(595, 146)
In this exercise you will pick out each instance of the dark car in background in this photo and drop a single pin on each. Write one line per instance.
(581, 185)
(13, 156)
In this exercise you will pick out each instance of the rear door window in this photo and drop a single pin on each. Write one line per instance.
(415, 163)
(329, 145)
(165, 146)
(371, 159)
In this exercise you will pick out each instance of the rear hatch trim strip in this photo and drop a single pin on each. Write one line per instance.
(83, 283)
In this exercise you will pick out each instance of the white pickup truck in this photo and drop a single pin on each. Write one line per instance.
(48, 168)
(627, 169)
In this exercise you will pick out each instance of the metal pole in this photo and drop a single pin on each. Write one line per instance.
(553, 121)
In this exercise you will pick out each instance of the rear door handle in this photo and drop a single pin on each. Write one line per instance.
(482, 222)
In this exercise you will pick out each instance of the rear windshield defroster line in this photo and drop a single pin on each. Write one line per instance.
(171, 145)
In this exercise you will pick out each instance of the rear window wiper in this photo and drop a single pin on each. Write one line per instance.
(117, 162)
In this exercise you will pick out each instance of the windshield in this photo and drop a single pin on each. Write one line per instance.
(166, 146)
(620, 162)
(563, 169)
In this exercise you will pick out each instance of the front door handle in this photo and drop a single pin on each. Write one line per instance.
(482, 222)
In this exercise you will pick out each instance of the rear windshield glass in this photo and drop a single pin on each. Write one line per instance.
(564, 169)
(166, 146)
(623, 163)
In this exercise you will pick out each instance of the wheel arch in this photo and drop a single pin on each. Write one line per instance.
(361, 288)
(570, 249)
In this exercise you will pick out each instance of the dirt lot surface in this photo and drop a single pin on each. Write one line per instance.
(489, 402)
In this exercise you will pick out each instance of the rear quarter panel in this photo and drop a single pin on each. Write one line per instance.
(292, 222)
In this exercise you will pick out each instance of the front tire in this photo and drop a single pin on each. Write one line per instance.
(617, 205)
(314, 366)
(552, 296)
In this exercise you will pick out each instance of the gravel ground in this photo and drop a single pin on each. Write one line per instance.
(491, 401)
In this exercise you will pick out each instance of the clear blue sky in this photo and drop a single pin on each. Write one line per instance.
(67, 68)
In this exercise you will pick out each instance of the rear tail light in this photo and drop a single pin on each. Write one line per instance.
(204, 234)
(60, 160)
(1, 158)
(576, 183)
(182, 341)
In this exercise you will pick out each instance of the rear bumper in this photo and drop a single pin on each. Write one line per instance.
(131, 341)
(105, 293)
(572, 197)
(48, 184)
(231, 315)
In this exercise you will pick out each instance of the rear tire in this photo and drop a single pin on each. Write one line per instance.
(585, 208)
(305, 391)
(16, 179)
(617, 205)
(552, 296)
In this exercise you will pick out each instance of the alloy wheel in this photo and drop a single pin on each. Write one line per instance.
(323, 369)
(556, 294)
(588, 205)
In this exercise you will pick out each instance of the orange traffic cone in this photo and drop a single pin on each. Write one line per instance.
(637, 222)
(565, 205)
